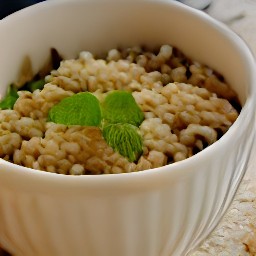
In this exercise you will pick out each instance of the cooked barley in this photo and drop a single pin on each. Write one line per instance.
(186, 107)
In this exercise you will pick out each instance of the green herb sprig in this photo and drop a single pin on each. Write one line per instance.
(118, 116)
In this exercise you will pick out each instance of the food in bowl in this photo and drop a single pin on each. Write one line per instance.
(131, 110)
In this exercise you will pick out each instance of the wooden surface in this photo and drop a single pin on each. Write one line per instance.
(236, 233)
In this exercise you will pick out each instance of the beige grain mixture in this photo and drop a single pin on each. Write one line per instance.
(186, 106)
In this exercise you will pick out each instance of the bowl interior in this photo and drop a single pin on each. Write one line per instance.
(98, 26)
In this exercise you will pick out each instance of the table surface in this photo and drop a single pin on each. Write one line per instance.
(236, 233)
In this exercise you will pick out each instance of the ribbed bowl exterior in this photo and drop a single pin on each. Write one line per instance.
(162, 212)
(168, 220)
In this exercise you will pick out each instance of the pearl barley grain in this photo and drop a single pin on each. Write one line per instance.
(77, 169)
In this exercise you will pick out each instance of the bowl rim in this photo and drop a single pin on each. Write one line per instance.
(155, 172)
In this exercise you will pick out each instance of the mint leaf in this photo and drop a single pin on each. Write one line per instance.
(79, 109)
(121, 107)
(125, 139)
(9, 100)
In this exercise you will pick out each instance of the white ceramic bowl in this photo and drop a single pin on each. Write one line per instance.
(159, 212)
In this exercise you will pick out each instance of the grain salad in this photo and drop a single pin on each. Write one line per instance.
(186, 107)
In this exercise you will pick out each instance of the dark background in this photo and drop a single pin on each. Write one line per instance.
(9, 6)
